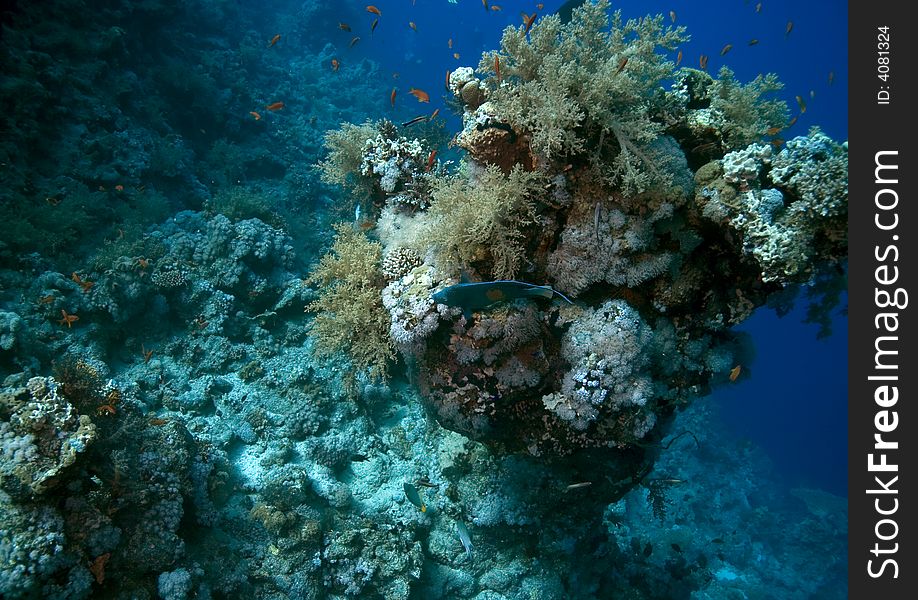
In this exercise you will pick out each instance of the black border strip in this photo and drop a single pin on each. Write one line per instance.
(883, 226)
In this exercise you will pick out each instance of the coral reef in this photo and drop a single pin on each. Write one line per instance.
(173, 423)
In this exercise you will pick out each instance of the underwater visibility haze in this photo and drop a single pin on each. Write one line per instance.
(423, 299)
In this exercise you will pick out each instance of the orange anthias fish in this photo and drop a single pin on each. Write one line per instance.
(791, 122)
(528, 20)
(621, 65)
(540, 6)
(374, 10)
(496, 7)
(413, 25)
(392, 97)
(336, 64)
(801, 104)
(119, 188)
(448, 73)
(789, 28)
(343, 26)
(434, 115)
(831, 77)
(274, 106)
(678, 58)
(725, 49)
(456, 55)
(703, 62)
(772, 131)
(421, 95)
(735, 372)
(255, 115)
(497, 66)
(431, 159)
(274, 40)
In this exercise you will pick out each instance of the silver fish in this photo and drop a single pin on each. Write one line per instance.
(464, 537)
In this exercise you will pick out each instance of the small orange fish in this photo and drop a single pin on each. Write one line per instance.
(354, 41)
(421, 95)
(119, 188)
(374, 10)
(83, 283)
(735, 372)
(343, 26)
(789, 28)
(703, 62)
(777, 142)
(413, 25)
(448, 73)
(434, 115)
(431, 159)
(621, 65)
(46, 299)
(255, 115)
(485, 4)
(158, 422)
(336, 64)
(753, 42)
(725, 49)
(449, 43)
(772, 131)
(678, 58)
(496, 8)
(758, 7)
(497, 66)
(831, 77)
(456, 55)
(374, 24)
(672, 16)
(274, 40)
(801, 104)
(274, 106)
(540, 6)
(791, 122)
(392, 97)
(528, 20)
(67, 319)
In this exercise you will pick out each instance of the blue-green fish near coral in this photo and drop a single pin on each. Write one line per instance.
(414, 497)
(463, 532)
(481, 295)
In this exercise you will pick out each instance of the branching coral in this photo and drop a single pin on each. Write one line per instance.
(351, 317)
(482, 219)
(345, 155)
(744, 114)
(587, 86)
